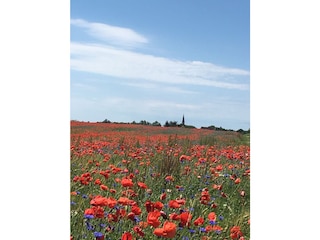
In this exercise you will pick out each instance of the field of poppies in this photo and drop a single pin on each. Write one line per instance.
(148, 182)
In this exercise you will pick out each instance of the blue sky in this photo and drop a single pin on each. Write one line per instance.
(159, 60)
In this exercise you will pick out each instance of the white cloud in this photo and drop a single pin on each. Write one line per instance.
(111, 34)
(111, 61)
(152, 86)
(83, 86)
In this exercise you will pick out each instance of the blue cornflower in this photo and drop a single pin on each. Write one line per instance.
(90, 227)
(218, 231)
(202, 229)
(88, 216)
(221, 217)
(212, 222)
(192, 230)
(185, 238)
(103, 225)
(73, 203)
(136, 219)
(98, 234)
(84, 196)
(78, 192)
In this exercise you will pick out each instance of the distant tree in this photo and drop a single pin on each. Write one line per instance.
(106, 121)
(144, 122)
(156, 123)
(173, 123)
(189, 126)
(166, 124)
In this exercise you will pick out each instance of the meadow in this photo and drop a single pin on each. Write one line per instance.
(148, 182)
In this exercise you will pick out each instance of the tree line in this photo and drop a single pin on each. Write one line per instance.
(176, 124)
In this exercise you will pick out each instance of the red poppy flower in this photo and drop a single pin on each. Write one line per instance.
(169, 178)
(99, 201)
(124, 201)
(103, 187)
(126, 236)
(235, 232)
(100, 237)
(158, 205)
(185, 218)
(89, 211)
(163, 196)
(210, 228)
(217, 228)
(112, 190)
(143, 224)
(219, 168)
(149, 206)
(98, 212)
(131, 216)
(138, 230)
(212, 216)
(152, 218)
(111, 202)
(199, 221)
(136, 210)
(142, 185)
(158, 232)
(168, 230)
(218, 187)
(174, 216)
(126, 182)
(205, 197)
(230, 167)
(238, 180)
(174, 204)
(184, 157)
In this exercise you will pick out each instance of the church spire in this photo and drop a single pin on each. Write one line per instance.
(183, 120)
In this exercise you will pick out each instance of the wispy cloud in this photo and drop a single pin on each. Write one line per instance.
(113, 35)
(152, 86)
(113, 59)
(121, 63)
(83, 86)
